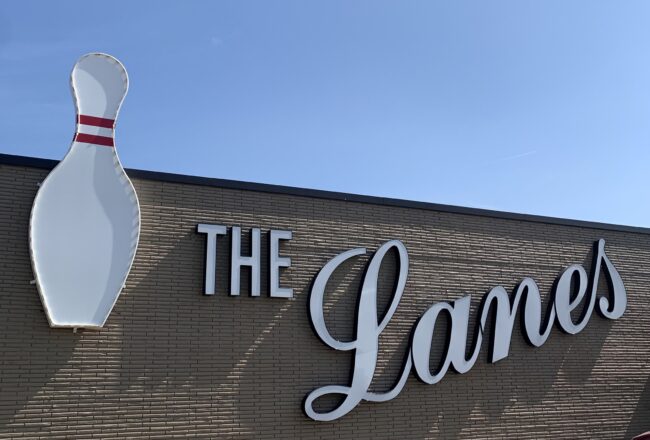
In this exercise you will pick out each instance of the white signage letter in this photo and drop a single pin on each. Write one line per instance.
(366, 346)
(237, 261)
(614, 306)
(565, 302)
(210, 254)
(457, 340)
(276, 262)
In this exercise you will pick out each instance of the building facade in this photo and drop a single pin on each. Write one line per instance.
(173, 362)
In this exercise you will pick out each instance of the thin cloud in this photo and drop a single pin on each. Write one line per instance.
(511, 157)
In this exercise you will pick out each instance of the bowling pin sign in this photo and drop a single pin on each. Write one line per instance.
(85, 220)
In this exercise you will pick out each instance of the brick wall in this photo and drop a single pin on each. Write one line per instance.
(173, 363)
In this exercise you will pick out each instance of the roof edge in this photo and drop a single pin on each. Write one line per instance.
(34, 162)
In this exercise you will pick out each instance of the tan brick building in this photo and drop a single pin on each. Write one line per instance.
(172, 362)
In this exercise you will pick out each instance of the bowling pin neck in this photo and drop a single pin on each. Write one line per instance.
(99, 83)
(94, 130)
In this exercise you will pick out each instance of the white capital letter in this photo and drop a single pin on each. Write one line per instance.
(276, 262)
(210, 254)
(237, 261)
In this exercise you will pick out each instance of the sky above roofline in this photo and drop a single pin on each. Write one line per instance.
(520, 106)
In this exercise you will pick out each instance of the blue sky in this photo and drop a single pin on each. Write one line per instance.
(524, 106)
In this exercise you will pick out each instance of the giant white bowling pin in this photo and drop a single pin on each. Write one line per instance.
(85, 221)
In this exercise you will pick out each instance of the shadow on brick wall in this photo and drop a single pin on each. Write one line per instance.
(182, 354)
(37, 361)
(640, 421)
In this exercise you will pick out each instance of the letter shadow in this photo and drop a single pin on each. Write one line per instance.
(640, 421)
(182, 352)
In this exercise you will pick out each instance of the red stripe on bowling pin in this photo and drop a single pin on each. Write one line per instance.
(97, 127)
(96, 122)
